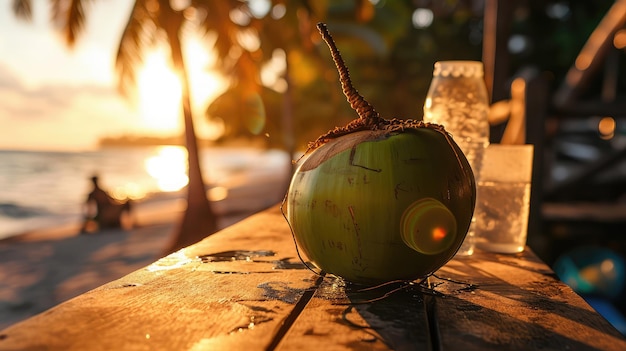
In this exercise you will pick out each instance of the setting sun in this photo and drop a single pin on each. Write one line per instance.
(159, 94)
(159, 90)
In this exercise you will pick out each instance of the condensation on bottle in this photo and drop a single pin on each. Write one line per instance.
(458, 100)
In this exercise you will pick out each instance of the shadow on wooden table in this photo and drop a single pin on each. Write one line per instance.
(518, 302)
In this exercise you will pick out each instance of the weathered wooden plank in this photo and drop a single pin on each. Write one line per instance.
(245, 289)
(388, 317)
(198, 298)
(515, 302)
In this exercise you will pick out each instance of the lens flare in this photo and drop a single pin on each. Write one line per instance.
(428, 226)
(439, 234)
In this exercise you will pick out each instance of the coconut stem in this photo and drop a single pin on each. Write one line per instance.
(358, 103)
(368, 119)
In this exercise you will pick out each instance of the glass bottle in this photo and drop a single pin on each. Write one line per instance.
(458, 100)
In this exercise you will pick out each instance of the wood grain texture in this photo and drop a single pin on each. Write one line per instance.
(515, 302)
(389, 317)
(183, 302)
(245, 288)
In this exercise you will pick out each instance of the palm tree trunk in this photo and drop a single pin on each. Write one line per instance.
(199, 220)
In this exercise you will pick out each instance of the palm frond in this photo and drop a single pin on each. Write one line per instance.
(69, 16)
(131, 44)
(215, 20)
(151, 22)
(23, 9)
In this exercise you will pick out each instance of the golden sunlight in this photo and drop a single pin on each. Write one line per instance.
(159, 95)
(169, 168)
(205, 85)
(160, 90)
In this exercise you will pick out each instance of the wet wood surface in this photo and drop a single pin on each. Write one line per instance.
(245, 288)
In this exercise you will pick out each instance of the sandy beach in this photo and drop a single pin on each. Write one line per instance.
(43, 268)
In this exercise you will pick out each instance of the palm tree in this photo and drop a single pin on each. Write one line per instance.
(153, 18)
(154, 22)
(149, 22)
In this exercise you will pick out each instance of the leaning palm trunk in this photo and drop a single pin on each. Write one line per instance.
(199, 219)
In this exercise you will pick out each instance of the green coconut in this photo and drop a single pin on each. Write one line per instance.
(380, 200)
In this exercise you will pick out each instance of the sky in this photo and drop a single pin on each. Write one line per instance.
(56, 98)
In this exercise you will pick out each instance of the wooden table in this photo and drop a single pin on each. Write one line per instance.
(245, 289)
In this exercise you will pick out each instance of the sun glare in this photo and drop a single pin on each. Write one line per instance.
(160, 90)
(159, 95)
(205, 85)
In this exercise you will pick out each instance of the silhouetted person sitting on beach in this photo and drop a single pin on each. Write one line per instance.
(103, 209)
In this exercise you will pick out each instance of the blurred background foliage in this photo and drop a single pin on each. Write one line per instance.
(390, 47)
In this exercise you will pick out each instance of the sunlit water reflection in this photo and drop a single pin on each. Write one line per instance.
(37, 188)
(168, 167)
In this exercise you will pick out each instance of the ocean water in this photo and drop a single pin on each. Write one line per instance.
(42, 189)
